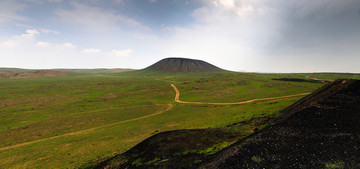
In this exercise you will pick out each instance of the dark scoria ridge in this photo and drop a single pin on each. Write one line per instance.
(183, 65)
(321, 130)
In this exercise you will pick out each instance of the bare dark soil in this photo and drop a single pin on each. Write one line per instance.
(182, 65)
(297, 80)
(320, 131)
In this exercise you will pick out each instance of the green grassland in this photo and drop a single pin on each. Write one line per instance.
(64, 122)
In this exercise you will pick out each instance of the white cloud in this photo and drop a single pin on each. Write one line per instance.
(242, 23)
(42, 44)
(229, 4)
(234, 34)
(96, 18)
(240, 8)
(91, 51)
(55, 0)
(24, 52)
(68, 45)
(9, 43)
(25, 38)
(9, 11)
(30, 33)
(121, 2)
(272, 35)
(125, 52)
(44, 1)
(49, 31)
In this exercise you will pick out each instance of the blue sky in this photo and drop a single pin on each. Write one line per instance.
(239, 35)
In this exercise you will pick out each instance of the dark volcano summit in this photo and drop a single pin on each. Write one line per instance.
(183, 65)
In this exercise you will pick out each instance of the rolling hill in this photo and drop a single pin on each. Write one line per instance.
(96, 71)
(22, 74)
(15, 73)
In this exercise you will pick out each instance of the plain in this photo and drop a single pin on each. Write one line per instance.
(67, 121)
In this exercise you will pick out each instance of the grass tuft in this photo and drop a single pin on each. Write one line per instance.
(257, 159)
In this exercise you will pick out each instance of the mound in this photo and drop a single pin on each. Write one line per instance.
(320, 131)
(31, 74)
(183, 65)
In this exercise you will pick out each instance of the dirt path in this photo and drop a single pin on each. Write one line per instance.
(177, 99)
(322, 80)
(170, 106)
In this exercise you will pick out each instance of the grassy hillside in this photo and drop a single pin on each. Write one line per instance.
(67, 121)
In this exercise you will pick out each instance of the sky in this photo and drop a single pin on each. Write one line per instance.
(284, 36)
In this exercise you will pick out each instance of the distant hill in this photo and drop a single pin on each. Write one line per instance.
(22, 74)
(16, 73)
(95, 71)
(183, 65)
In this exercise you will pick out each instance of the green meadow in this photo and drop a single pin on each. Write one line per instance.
(67, 121)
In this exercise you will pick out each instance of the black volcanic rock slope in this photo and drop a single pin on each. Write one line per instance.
(183, 65)
(321, 130)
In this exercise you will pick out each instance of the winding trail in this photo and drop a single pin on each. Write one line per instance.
(170, 106)
(177, 99)
(322, 80)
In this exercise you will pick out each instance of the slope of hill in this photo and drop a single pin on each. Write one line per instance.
(319, 131)
(172, 149)
(182, 65)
